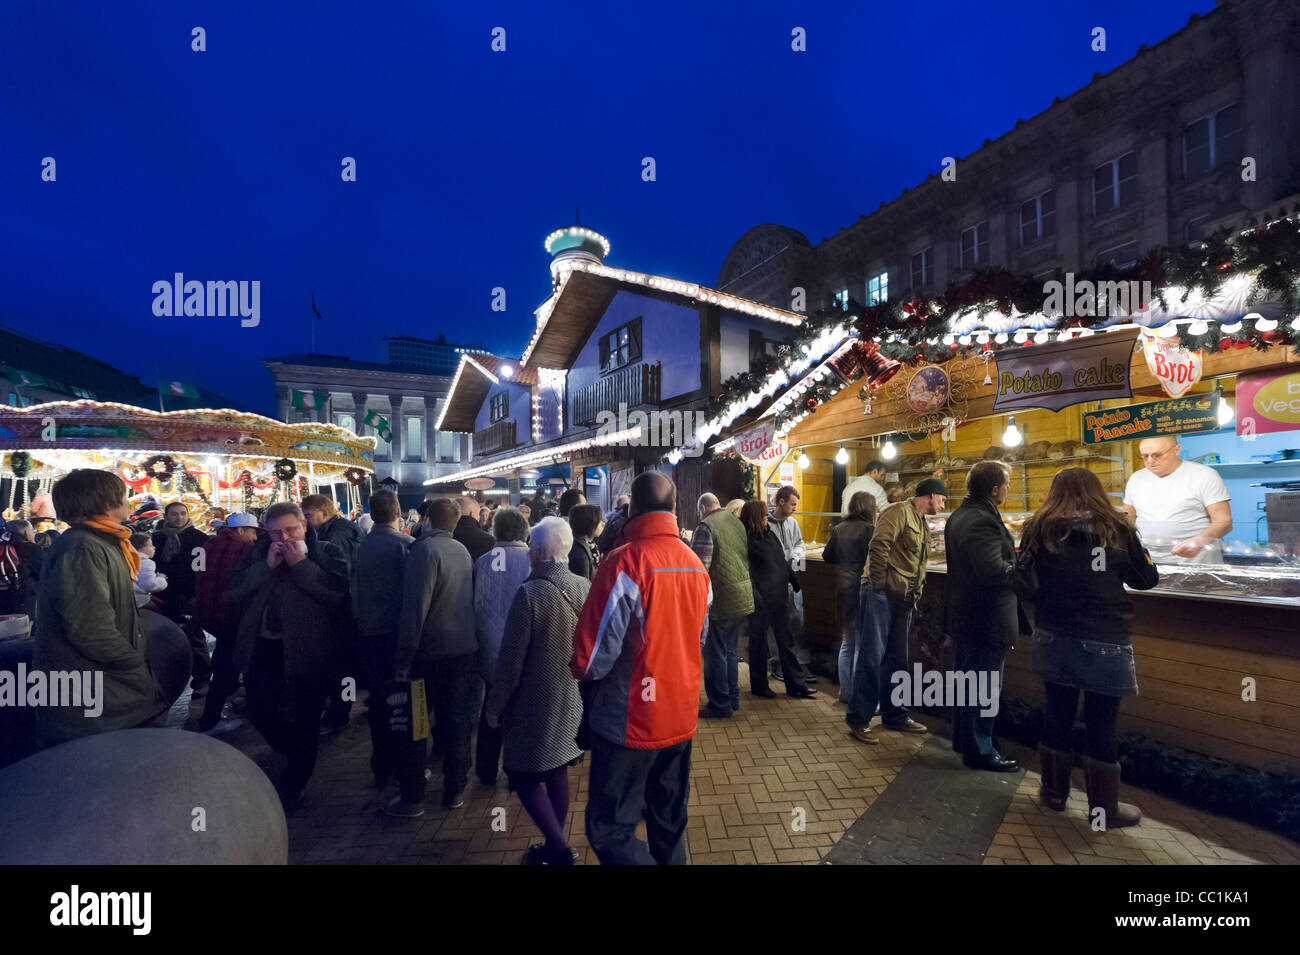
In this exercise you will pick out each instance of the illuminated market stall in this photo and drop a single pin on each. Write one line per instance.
(216, 461)
(1204, 353)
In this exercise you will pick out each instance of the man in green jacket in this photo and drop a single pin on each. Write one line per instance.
(722, 547)
(891, 586)
(86, 618)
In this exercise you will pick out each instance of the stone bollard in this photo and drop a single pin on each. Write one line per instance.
(140, 797)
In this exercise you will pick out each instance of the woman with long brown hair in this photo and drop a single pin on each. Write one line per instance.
(771, 576)
(1080, 552)
(847, 550)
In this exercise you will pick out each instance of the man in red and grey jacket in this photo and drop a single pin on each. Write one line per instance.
(639, 636)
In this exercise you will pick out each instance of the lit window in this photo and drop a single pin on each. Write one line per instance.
(1114, 184)
(413, 446)
(878, 288)
(621, 347)
(1038, 218)
(842, 299)
(975, 246)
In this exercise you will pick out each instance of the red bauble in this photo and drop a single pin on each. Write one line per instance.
(812, 402)
(1225, 344)
(1272, 337)
(1240, 344)
(954, 347)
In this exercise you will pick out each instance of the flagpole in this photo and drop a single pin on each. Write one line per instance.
(157, 383)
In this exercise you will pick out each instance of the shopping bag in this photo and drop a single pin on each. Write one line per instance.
(407, 709)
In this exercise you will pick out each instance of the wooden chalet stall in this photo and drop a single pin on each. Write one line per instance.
(1200, 638)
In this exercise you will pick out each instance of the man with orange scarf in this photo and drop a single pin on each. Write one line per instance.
(86, 618)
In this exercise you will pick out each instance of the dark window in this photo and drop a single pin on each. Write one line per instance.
(1212, 141)
(922, 268)
(1194, 231)
(975, 246)
(1038, 218)
(760, 349)
(621, 347)
(1121, 257)
(1114, 184)
(499, 407)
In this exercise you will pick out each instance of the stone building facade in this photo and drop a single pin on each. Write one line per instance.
(409, 399)
(1150, 154)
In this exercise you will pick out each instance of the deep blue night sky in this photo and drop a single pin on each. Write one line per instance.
(225, 164)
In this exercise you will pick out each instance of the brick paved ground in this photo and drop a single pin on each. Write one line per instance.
(753, 776)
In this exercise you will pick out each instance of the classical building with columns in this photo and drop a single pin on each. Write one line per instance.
(408, 396)
(1191, 135)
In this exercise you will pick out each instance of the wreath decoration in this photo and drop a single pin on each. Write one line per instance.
(160, 467)
(285, 470)
(20, 463)
(355, 476)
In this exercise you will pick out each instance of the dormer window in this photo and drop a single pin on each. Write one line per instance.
(621, 347)
(498, 407)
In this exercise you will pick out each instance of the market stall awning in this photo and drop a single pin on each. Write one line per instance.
(537, 457)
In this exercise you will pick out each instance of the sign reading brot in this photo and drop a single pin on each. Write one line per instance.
(1067, 373)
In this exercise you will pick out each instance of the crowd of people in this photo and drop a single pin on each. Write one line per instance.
(553, 630)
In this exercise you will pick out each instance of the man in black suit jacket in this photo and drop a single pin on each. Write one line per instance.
(468, 532)
(982, 616)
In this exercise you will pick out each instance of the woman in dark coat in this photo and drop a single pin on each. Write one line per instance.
(847, 550)
(771, 576)
(981, 605)
(584, 520)
(1081, 552)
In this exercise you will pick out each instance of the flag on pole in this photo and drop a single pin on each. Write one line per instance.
(20, 377)
(380, 424)
(177, 389)
(308, 400)
(384, 431)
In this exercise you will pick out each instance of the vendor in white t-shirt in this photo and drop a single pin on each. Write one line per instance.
(1181, 508)
(871, 482)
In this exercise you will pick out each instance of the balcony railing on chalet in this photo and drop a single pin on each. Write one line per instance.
(495, 437)
(631, 386)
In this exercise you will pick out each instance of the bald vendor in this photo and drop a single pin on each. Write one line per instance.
(1180, 508)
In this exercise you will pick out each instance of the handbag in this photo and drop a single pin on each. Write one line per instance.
(1024, 577)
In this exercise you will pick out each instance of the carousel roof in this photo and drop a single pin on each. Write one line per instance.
(110, 426)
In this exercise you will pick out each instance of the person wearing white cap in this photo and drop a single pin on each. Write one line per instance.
(223, 556)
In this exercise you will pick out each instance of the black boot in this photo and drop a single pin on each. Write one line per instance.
(1103, 792)
(1055, 787)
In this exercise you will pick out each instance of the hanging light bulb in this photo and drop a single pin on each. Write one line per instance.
(1198, 327)
(1041, 338)
(1265, 324)
(1011, 437)
(889, 452)
(1226, 414)
(842, 455)
(1022, 336)
(804, 461)
(1000, 338)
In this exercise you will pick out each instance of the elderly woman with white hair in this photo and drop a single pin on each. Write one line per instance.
(534, 696)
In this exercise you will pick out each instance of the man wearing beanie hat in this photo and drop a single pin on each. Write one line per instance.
(891, 586)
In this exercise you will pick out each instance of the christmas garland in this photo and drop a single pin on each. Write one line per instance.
(919, 331)
(159, 467)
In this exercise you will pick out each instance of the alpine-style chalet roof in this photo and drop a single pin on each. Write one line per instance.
(475, 374)
(566, 320)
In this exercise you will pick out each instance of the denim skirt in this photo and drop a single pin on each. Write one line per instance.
(1090, 665)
